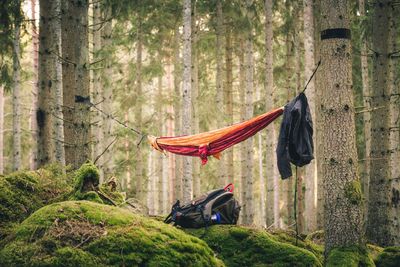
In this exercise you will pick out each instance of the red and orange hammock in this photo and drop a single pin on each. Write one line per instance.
(214, 142)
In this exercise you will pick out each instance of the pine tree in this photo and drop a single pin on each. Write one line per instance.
(1, 129)
(378, 206)
(342, 188)
(187, 178)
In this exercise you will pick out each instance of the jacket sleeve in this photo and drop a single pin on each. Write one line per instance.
(284, 167)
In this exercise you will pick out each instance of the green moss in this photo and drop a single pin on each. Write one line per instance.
(390, 257)
(86, 179)
(83, 233)
(21, 193)
(349, 257)
(91, 196)
(353, 192)
(290, 237)
(115, 196)
(241, 246)
(374, 251)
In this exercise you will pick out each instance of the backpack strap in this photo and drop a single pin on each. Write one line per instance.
(171, 216)
(208, 207)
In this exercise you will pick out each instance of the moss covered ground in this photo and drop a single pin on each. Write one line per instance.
(21, 193)
(49, 218)
(83, 233)
(241, 246)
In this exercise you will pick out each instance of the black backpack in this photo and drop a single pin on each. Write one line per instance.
(215, 207)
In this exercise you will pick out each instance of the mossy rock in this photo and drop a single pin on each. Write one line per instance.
(390, 257)
(22, 193)
(84, 233)
(242, 246)
(349, 257)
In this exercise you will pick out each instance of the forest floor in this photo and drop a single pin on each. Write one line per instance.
(44, 221)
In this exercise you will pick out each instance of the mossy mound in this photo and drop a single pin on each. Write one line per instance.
(390, 257)
(22, 193)
(349, 257)
(86, 187)
(290, 237)
(241, 246)
(83, 233)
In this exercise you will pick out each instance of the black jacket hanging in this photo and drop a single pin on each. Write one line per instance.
(295, 142)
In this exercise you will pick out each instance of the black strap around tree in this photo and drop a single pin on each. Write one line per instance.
(341, 33)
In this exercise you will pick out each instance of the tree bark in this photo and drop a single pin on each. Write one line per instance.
(248, 195)
(270, 130)
(228, 98)
(394, 135)
(16, 103)
(68, 36)
(219, 83)
(1, 130)
(367, 105)
(58, 124)
(187, 178)
(48, 56)
(33, 127)
(139, 169)
(342, 188)
(177, 178)
(309, 65)
(378, 229)
(106, 105)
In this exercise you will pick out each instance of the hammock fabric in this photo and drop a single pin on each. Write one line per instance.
(214, 142)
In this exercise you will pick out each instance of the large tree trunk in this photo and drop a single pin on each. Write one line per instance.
(16, 99)
(187, 178)
(248, 195)
(379, 190)
(219, 84)
(311, 170)
(394, 137)
(33, 127)
(367, 115)
(269, 105)
(48, 56)
(76, 93)
(342, 188)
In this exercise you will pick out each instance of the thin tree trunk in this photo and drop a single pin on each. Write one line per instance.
(378, 229)
(367, 115)
(68, 36)
(58, 127)
(219, 82)
(248, 196)
(318, 127)
(16, 98)
(1, 130)
(170, 132)
(152, 195)
(128, 171)
(263, 220)
(242, 99)
(177, 178)
(138, 112)
(342, 188)
(394, 106)
(33, 155)
(270, 130)
(97, 91)
(309, 65)
(159, 159)
(47, 76)
(187, 178)
(228, 98)
(106, 105)
(195, 97)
